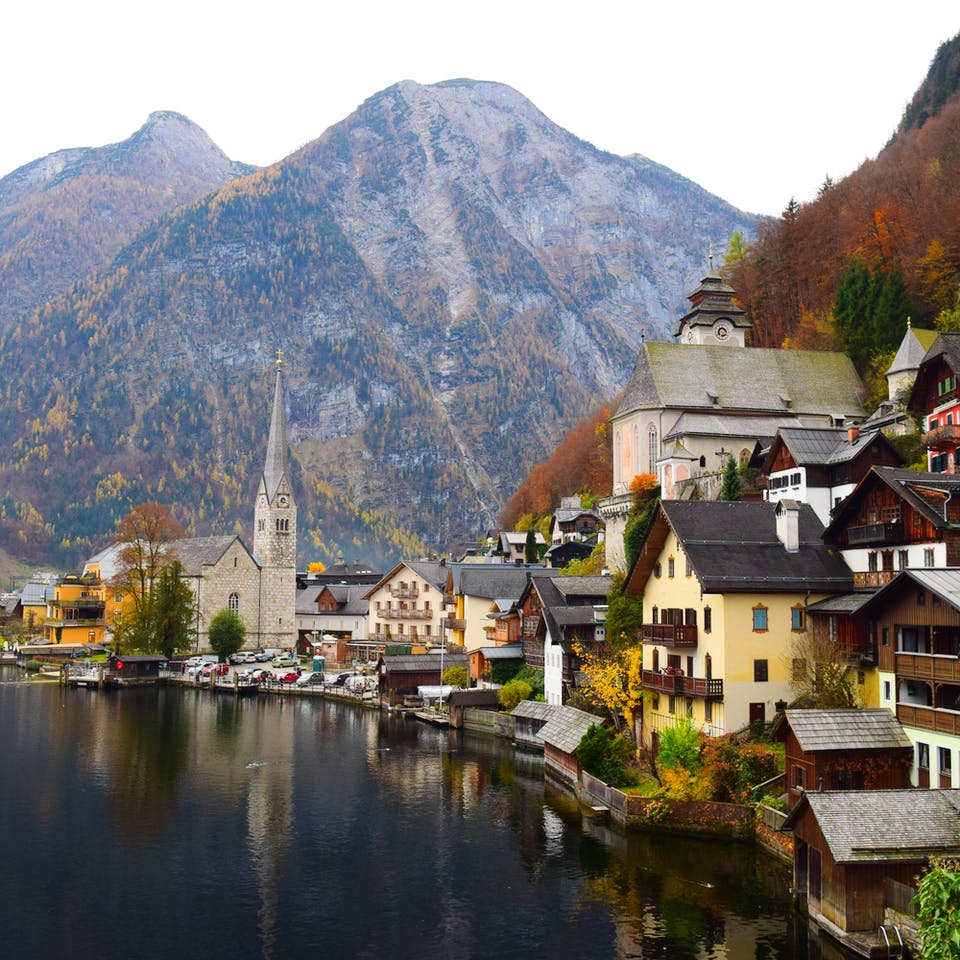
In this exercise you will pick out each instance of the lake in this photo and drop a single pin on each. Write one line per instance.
(178, 823)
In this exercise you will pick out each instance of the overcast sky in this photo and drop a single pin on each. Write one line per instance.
(755, 101)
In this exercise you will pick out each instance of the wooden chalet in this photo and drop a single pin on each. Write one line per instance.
(895, 520)
(135, 669)
(843, 750)
(401, 675)
(935, 392)
(916, 620)
(849, 844)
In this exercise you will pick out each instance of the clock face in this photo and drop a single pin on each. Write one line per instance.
(283, 501)
(721, 331)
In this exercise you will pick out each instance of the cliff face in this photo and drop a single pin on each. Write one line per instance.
(453, 280)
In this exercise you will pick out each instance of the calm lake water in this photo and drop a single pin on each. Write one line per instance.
(176, 823)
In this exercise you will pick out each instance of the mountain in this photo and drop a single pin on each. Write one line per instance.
(453, 281)
(67, 215)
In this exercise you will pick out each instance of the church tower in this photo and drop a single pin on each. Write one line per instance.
(275, 534)
(715, 318)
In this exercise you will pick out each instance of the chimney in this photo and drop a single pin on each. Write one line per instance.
(788, 524)
(852, 434)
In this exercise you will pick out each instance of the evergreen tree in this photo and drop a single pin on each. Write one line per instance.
(530, 552)
(174, 610)
(732, 487)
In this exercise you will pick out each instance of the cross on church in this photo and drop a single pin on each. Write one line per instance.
(279, 357)
(723, 454)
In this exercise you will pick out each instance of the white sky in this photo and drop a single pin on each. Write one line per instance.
(756, 101)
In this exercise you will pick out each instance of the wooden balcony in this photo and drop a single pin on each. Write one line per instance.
(927, 666)
(942, 438)
(453, 623)
(405, 593)
(874, 533)
(530, 626)
(675, 683)
(873, 578)
(409, 614)
(928, 718)
(669, 635)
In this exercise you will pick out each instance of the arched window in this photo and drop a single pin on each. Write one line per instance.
(234, 603)
(283, 525)
(652, 448)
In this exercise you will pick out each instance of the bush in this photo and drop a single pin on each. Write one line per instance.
(513, 693)
(938, 909)
(680, 747)
(605, 755)
(456, 677)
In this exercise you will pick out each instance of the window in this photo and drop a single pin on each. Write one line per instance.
(689, 708)
(799, 777)
(708, 711)
(923, 756)
(282, 525)
(921, 598)
(234, 603)
(928, 557)
(872, 561)
(651, 449)
(886, 689)
(657, 570)
(832, 628)
(759, 619)
(671, 567)
(885, 636)
(261, 525)
(903, 559)
(656, 614)
(707, 619)
(760, 671)
(944, 761)
(797, 619)
(655, 700)
(671, 704)
(689, 569)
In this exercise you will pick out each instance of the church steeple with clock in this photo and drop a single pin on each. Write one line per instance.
(275, 532)
(714, 318)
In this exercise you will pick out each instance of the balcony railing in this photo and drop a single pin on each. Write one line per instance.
(669, 634)
(405, 593)
(880, 533)
(928, 666)
(939, 437)
(74, 623)
(661, 682)
(453, 623)
(675, 683)
(929, 718)
(873, 578)
(409, 614)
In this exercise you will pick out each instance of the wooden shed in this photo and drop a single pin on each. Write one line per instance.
(561, 736)
(401, 675)
(848, 843)
(843, 749)
(136, 668)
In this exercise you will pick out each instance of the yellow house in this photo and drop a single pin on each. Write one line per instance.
(725, 588)
(75, 613)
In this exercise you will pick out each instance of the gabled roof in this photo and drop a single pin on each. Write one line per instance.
(195, 553)
(734, 547)
(944, 582)
(926, 492)
(568, 601)
(946, 346)
(825, 446)
(872, 826)
(433, 572)
(566, 728)
(535, 710)
(489, 580)
(848, 730)
(745, 379)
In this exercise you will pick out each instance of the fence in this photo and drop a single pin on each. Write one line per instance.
(899, 897)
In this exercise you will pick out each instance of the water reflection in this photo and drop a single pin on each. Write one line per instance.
(289, 827)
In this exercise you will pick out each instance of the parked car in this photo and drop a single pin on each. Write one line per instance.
(262, 656)
(285, 660)
(310, 680)
(215, 669)
(288, 676)
(337, 680)
(254, 675)
(239, 657)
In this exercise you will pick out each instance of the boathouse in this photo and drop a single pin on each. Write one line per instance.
(136, 668)
(401, 675)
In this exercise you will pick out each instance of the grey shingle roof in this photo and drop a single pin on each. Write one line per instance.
(490, 581)
(196, 552)
(863, 826)
(743, 379)
(733, 546)
(557, 594)
(565, 729)
(849, 730)
(419, 662)
(507, 651)
(913, 348)
(535, 710)
(842, 603)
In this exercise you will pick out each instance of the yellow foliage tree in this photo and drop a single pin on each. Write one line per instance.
(614, 682)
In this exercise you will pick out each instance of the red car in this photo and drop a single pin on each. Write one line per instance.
(291, 676)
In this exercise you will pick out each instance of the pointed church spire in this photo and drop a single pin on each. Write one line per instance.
(275, 467)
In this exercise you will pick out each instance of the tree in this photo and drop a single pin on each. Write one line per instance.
(820, 675)
(938, 909)
(732, 486)
(173, 612)
(530, 552)
(456, 677)
(605, 755)
(613, 682)
(227, 633)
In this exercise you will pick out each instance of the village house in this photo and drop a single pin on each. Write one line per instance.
(407, 605)
(332, 622)
(75, 611)
(916, 621)
(402, 675)
(573, 521)
(511, 545)
(690, 405)
(558, 614)
(935, 393)
(845, 749)
(725, 588)
(821, 466)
